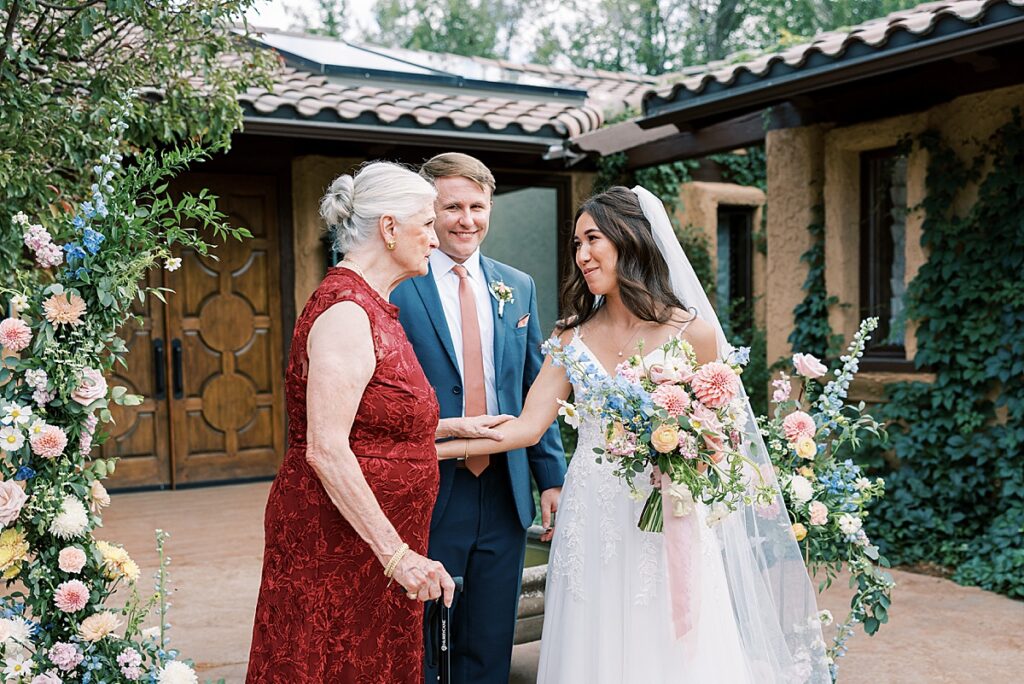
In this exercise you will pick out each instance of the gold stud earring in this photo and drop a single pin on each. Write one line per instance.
(391, 244)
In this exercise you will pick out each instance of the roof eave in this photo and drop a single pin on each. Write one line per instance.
(765, 92)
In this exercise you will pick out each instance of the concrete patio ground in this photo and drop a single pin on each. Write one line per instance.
(939, 632)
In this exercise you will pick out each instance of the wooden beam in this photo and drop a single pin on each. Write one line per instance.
(721, 137)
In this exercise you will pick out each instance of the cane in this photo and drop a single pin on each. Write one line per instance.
(444, 637)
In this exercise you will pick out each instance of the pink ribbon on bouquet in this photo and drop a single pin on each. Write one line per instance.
(682, 549)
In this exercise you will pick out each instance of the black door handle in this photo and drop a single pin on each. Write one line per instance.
(160, 370)
(176, 372)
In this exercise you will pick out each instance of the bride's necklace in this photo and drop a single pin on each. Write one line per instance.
(636, 329)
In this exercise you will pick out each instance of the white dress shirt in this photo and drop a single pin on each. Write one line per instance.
(448, 288)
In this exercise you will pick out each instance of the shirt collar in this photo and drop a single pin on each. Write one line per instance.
(441, 264)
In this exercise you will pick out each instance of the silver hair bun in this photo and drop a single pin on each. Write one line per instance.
(337, 207)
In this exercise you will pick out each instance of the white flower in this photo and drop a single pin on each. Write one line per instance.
(20, 218)
(11, 438)
(17, 666)
(72, 520)
(15, 634)
(717, 514)
(570, 414)
(176, 672)
(173, 263)
(800, 489)
(16, 414)
(151, 633)
(849, 524)
(861, 483)
(19, 302)
(682, 499)
(825, 616)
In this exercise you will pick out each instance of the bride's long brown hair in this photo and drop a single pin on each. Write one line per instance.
(643, 279)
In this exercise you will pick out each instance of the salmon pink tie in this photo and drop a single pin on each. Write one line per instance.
(472, 362)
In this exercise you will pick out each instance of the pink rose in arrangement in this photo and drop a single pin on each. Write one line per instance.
(672, 398)
(65, 656)
(12, 498)
(93, 386)
(71, 596)
(49, 442)
(15, 335)
(673, 371)
(715, 384)
(798, 424)
(716, 443)
(71, 559)
(818, 512)
(808, 366)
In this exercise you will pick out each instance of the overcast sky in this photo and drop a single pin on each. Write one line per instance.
(279, 13)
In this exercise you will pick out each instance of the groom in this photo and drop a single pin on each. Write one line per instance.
(473, 324)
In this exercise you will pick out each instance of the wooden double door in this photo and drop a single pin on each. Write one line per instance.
(209, 361)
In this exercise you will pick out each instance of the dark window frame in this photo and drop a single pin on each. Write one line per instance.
(740, 219)
(875, 261)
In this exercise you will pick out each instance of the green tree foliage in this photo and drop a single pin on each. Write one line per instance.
(62, 64)
(782, 22)
(327, 18)
(481, 28)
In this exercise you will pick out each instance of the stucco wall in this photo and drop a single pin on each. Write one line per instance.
(804, 162)
(698, 207)
(795, 183)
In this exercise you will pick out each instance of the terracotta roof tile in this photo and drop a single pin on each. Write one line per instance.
(876, 33)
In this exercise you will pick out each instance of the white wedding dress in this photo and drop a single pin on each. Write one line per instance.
(607, 611)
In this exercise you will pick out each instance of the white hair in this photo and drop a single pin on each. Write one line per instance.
(354, 204)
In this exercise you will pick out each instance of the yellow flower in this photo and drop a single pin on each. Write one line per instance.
(799, 531)
(665, 438)
(806, 448)
(116, 562)
(806, 471)
(13, 551)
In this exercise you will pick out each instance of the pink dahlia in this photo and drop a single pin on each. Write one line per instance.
(715, 384)
(798, 424)
(65, 656)
(71, 596)
(49, 442)
(672, 398)
(15, 334)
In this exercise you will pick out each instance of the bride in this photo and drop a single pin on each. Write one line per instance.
(608, 614)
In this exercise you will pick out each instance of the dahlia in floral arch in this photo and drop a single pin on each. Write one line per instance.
(667, 414)
(62, 310)
(809, 437)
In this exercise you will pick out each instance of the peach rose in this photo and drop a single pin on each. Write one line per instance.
(799, 531)
(808, 366)
(665, 438)
(71, 559)
(92, 387)
(12, 498)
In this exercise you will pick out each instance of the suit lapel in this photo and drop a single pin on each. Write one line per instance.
(490, 275)
(427, 290)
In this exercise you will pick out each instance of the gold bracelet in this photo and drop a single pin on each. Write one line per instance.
(389, 569)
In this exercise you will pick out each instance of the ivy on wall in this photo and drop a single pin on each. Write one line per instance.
(811, 331)
(956, 491)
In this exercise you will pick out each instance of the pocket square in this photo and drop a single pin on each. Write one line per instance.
(521, 323)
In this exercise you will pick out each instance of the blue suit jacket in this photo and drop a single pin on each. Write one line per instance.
(517, 360)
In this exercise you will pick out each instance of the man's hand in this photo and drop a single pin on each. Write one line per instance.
(548, 507)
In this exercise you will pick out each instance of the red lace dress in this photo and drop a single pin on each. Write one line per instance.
(325, 613)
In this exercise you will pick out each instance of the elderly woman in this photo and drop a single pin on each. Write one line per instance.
(350, 509)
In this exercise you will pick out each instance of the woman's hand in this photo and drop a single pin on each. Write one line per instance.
(424, 579)
(472, 427)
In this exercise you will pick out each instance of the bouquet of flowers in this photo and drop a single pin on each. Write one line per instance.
(825, 492)
(674, 417)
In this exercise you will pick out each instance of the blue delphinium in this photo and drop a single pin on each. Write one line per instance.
(92, 240)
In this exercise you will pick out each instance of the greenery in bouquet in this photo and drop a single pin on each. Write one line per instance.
(76, 277)
(809, 439)
(672, 417)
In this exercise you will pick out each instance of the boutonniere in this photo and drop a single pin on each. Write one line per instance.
(503, 293)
